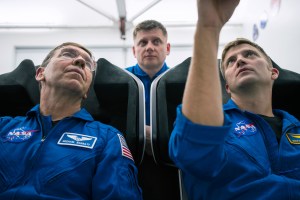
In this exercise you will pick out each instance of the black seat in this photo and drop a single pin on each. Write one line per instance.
(166, 95)
(19, 90)
(286, 94)
(119, 102)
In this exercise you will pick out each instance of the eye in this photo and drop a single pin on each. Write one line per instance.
(69, 54)
(156, 42)
(249, 54)
(230, 61)
(143, 43)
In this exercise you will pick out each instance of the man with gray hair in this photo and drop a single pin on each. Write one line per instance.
(57, 150)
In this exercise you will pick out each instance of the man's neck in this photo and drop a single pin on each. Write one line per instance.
(151, 71)
(58, 107)
(259, 104)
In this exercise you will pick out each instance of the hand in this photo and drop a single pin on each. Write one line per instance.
(215, 13)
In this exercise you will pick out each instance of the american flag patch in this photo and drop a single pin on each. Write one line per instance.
(125, 150)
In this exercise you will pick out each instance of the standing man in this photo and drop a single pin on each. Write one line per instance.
(151, 48)
(57, 151)
(247, 149)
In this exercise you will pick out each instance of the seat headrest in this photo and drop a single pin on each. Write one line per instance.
(285, 91)
(19, 90)
(118, 104)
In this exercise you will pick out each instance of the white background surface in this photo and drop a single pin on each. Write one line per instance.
(30, 28)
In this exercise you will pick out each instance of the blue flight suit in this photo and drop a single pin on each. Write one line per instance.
(239, 160)
(78, 158)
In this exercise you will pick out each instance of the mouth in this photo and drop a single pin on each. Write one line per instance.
(77, 71)
(243, 70)
(150, 56)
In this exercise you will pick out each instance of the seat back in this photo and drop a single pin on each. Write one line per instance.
(120, 103)
(19, 90)
(286, 95)
(166, 95)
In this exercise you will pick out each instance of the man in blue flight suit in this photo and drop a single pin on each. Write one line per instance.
(245, 149)
(58, 151)
(151, 48)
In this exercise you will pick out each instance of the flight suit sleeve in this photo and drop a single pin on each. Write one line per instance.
(192, 146)
(116, 173)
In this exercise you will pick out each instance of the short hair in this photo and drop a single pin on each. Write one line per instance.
(52, 52)
(237, 42)
(148, 25)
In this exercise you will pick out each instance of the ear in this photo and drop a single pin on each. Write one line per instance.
(133, 51)
(227, 88)
(168, 48)
(39, 74)
(275, 73)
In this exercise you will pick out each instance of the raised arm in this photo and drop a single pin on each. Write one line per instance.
(202, 100)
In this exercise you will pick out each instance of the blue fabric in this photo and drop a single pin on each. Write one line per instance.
(239, 160)
(79, 158)
(136, 70)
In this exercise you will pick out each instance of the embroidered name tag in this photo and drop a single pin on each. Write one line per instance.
(79, 140)
(294, 138)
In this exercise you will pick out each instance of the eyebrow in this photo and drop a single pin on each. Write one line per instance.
(229, 58)
(254, 51)
(69, 49)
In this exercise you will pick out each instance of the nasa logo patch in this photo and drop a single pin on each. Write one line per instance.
(244, 128)
(19, 134)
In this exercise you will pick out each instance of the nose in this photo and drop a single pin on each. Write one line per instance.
(149, 46)
(79, 61)
(240, 61)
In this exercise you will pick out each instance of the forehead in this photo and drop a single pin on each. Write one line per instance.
(150, 34)
(233, 51)
(72, 48)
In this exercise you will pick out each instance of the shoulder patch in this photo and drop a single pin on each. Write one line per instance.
(244, 128)
(19, 134)
(78, 140)
(125, 150)
(294, 138)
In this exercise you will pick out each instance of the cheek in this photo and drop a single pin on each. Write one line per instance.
(138, 52)
(89, 78)
(226, 75)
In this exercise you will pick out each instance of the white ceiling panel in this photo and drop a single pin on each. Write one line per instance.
(104, 13)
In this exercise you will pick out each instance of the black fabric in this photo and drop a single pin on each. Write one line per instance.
(169, 91)
(276, 124)
(114, 100)
(286, 95)
(19, 90)
(158, 182)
